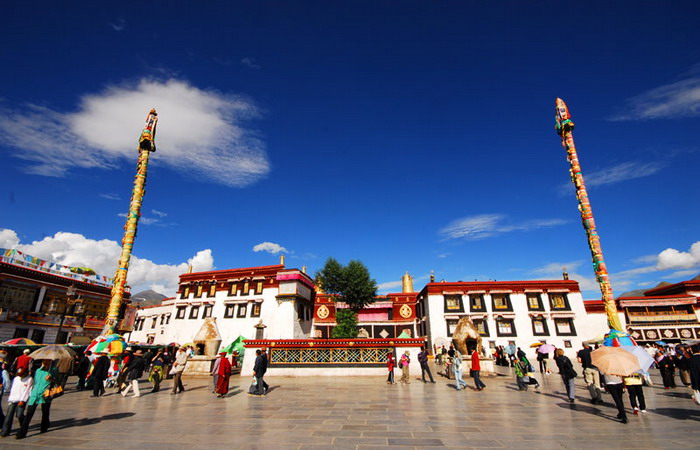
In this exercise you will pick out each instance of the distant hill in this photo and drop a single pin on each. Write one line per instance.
(147, 298)
(640, 292)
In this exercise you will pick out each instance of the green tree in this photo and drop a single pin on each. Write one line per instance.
(346, 328)
(351, 284)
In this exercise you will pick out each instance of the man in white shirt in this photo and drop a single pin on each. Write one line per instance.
(178, 368)
(19, 394)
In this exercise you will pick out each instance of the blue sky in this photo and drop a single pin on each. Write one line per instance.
(412, 136)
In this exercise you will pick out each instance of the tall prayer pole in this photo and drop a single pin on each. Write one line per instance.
(565, 129)
(146, 146)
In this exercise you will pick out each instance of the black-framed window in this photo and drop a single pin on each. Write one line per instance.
(453, 303)
(255, 309)
(167, 319)
(233, 289)
(482, 326)
(259, 287)
(501, 302)
(476, 303)
(505, 327)
(194, 312)
(242, 310)
(229, 311)
(180, 312)
(539, 326)
(185, 292)
(567, 344)
(534, 301)
(208, 309)
(198, 291)
(564, 327)
(154, 322)
(246, 288)
(559, 301)
(451, 326)
(212, 290)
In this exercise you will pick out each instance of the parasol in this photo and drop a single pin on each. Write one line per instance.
(511, 349)
(235, 345)
(53, 352)
(536, 344)
(20, 341)
(661, 343)
(546, 348)
(615, 361)
(645, 360)
(113, 344)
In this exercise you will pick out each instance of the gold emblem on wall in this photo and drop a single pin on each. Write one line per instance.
(322, 312)
(405, 311)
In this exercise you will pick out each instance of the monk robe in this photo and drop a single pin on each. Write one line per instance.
(224, 375)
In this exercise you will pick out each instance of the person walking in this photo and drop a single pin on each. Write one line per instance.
(635, 390)
(83, 369)
(259, 370)
(23, 361)
(424, 367)
(613, 384)
(100, 372)
(476, 371)
(694, 365)
(17, 400)
(457, 370)
(157, 371)
(667, 369)
(123, 369)
(135, 371)
(44, 377)
(543, 360)
(567, 372)
(215, 372)
(404, 364)
(179, 367)
(223, 375)
(521, 378)
(390, 363)
(590, 373)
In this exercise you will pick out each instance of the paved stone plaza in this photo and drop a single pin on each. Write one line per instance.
(363, 413)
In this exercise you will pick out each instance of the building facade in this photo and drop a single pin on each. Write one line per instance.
(47, 303)
(268, 302)
(668, 313)
(508, 312)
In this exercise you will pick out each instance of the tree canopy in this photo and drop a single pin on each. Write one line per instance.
(351, 284)
(346, 328)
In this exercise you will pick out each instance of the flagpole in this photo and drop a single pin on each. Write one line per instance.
(145, 147)
(565, 128)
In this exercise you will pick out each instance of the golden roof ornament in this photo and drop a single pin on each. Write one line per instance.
(407, 283)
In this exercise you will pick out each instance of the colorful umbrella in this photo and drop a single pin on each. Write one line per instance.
(546, 348)
(536, 344)
(20, 341)
(235, 345)
(511, 349)
(661, 343)
(615, 361)
(112, 344)
(616, 338)
(53, 352)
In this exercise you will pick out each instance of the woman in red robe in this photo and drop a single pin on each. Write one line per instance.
(224, 374)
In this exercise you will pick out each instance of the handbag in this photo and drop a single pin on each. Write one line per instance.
(52, 392)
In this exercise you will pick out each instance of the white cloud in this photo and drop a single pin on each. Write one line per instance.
(200, 133)
(250, 62)
(118, 25)
(269, 247)
(388, 285)
(617, 173)
(143, 220)
(553, 271)
(72, 249)
(159, 213)
(8, 238)
(110, 196)
(679, 99)
(487, 225)
(674, 259)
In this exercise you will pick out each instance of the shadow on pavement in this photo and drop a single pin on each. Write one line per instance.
(678, 413)
(71, 423)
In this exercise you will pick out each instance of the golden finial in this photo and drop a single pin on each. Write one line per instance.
(407, 282)
(281, 260)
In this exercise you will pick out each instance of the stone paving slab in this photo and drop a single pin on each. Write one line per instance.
(363, 413)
